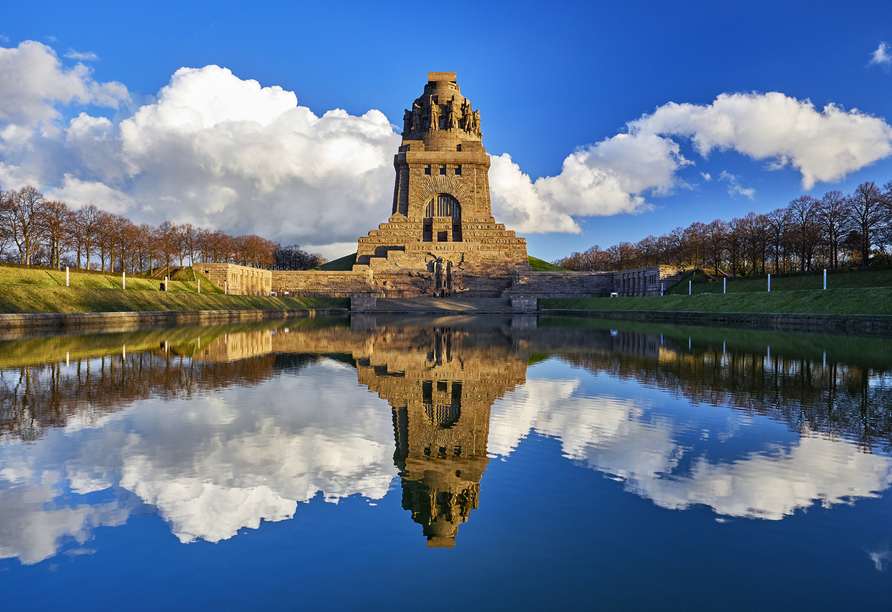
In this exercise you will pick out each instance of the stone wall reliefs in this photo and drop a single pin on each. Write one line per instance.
(237, 280)
(432, 186)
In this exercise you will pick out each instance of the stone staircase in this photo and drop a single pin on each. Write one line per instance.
(430, 305)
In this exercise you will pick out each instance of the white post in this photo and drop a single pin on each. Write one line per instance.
(689, 287)
(199, 285)
(166, 283)
(769, 283)
(124, 281)
(225, 287)
(66, 357)
(66, 277)
(825, 279)
(725, 284)
(124, 351)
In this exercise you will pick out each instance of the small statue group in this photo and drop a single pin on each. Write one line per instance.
(456, 118)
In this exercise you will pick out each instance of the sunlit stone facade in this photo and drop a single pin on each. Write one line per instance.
(441, 225)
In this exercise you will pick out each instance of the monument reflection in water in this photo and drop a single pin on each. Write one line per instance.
(219, 429)
(441, 384)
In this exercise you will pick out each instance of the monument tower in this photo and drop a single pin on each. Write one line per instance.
(441, 236)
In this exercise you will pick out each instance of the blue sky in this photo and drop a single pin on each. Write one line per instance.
(551, 81)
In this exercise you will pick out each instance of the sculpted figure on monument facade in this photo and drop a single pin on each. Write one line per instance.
(465, 114)
(451, 115)
(407, 121)
(476, 130)
(435, 116)
(416, 116)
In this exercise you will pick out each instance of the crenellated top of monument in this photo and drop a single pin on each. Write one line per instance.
(442, 118)
(435, 77)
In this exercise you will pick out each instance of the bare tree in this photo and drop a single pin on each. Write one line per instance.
(735, 244)
(803, 216)
(167, 238)
(695, 242)
(87, 222)
(716, 234)
(54, 224)
(831, 219)
(20, 215)
(778, 226)
(867, 212)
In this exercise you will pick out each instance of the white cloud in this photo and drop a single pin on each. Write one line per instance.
(33, 82)
(734, 186)
(881, 56)
(880, 557)
(516, 201)
(823, 146)
(77, 194)
(706, 176)
(617, 174)
(87, 56)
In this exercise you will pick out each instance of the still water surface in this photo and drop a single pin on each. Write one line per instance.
(487, 463)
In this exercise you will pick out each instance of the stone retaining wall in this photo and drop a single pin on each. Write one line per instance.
(561, 284)
(487, 278)
(322, 284)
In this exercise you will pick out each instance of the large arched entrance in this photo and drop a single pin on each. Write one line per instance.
(442, 219)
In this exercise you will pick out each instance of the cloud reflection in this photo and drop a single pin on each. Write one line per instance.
(626, 439)
(210, 466)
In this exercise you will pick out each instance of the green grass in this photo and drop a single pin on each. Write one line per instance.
(540, 265)
(787, 282)
(342, 264)
(32, 298)
(185, 281)
(858, 300)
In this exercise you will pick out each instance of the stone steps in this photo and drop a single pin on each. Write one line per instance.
(443, 305)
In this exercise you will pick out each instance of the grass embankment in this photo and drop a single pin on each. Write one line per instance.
(24, 290)
(540, 265)
(341, 264)
(864, 300)
(836, 279)
(185, 280)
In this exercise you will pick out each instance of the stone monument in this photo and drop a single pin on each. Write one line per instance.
(441, 238)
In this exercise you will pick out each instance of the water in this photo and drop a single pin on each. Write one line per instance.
(487, 463)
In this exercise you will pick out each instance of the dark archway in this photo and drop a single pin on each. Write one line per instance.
(442, 205)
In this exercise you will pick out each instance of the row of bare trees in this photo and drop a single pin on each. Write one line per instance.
(809, 234)
(38, 231)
